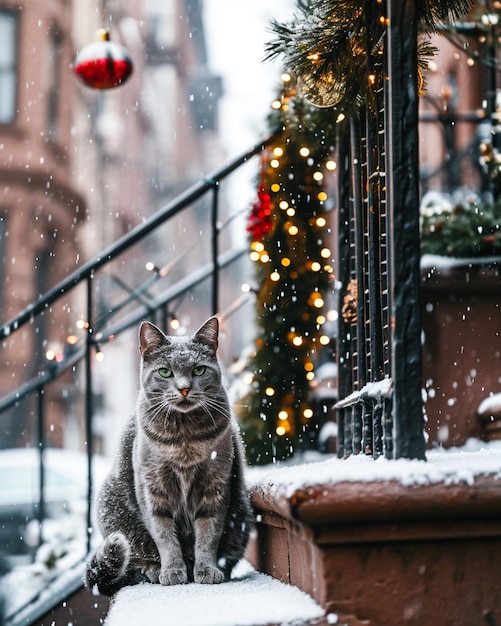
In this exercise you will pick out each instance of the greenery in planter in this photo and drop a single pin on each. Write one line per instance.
(465, 229)
(471, 226)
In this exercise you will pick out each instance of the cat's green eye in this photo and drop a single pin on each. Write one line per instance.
(164, 372)
(198, 370)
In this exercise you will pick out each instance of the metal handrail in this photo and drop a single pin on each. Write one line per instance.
(171, 209)
(86, 274)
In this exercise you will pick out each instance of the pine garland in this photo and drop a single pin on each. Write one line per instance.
(328, 45)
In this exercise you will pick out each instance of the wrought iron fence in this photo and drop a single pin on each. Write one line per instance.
(380, 408)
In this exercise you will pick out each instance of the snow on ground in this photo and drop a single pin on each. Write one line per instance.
(436, 261)
(451, 466)
(491, 405)
(249, 599)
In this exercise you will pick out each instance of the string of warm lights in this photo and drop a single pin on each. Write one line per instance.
(289, 235)
(57, 352)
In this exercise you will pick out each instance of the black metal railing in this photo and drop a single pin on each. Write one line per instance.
(102, 327)
(380, 408)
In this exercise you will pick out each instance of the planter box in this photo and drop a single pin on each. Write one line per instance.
(461, 311)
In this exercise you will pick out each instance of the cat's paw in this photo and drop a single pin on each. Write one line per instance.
(152, 572)
(208, 575)
(173, 576)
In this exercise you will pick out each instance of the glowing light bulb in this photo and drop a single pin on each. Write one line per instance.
(280, 430)
(293, 230)
(99, 356)
(275, 277)
(318, 302)
(304, 151)
(283, 204)
(322, 196)
(275, 187)
(297, 341)
(308, 413)
(330, 165)
(321, 221)
(175, 323)
(325, 253)
(274, 163)
(254, 256)
(315, 266)
(285, 262)
(318, 176)
(332, 315)
(269, 391)
(278, 151)
(291, 212)
(324, 340)
(283, 415)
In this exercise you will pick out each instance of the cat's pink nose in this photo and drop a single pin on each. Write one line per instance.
(185, 391)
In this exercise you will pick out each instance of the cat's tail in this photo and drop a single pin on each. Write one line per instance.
(108, 569)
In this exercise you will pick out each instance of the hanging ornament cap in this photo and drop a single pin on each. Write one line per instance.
(103, 64)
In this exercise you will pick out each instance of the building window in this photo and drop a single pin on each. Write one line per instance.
(3, 246)
(8, 66)
(56, 46)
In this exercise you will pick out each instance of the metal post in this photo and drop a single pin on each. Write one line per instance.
(41, 466)
(402, 184)
(359, 413)
(88, 407)
(345, 378)
(215, 247)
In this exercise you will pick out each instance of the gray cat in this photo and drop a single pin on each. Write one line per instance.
(174, 507)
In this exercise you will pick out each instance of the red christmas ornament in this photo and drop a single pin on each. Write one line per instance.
(103, 64)
(260, 221)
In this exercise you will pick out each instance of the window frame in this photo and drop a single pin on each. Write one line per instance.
(10, 71)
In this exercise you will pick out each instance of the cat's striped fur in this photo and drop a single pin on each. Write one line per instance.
(174, 507)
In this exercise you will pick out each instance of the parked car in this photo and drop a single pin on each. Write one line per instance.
(65, 491)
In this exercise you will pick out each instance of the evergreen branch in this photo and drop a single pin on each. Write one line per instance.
(329, 45)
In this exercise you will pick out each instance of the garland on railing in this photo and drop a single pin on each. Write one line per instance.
(328, 44)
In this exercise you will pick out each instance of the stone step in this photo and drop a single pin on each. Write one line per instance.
(381, 553)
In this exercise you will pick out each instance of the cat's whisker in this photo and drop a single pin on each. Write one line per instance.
(221, 407)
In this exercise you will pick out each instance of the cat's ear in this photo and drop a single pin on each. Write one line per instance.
(150, 338)
(208, 333)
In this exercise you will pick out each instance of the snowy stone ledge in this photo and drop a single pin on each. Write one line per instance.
(452, 466)
(360, 486)
(379, 542)
(249, 599)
